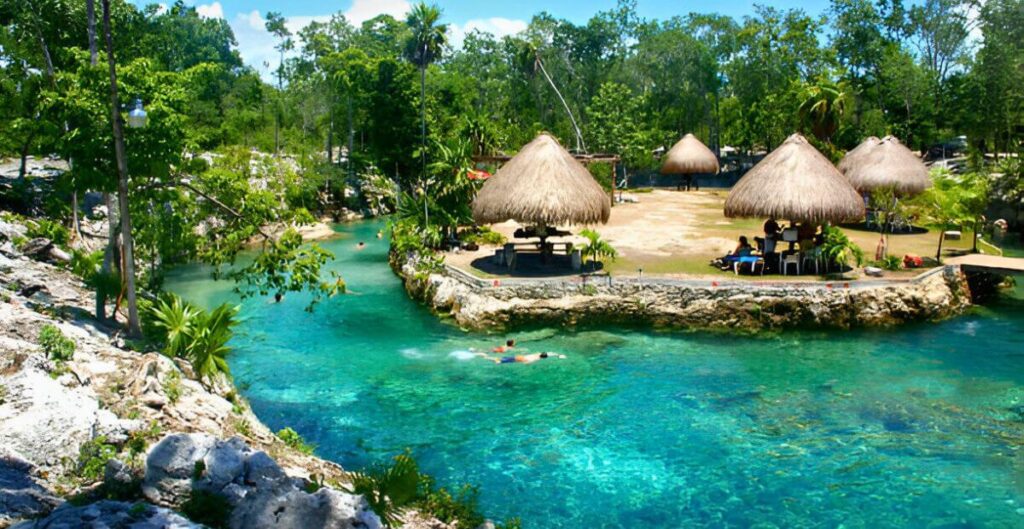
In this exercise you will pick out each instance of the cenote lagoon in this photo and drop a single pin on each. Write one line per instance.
(913, 427)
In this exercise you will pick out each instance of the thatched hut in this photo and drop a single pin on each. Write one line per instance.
(689, 156)
(797, 183)
(886, 163)
(542, 185)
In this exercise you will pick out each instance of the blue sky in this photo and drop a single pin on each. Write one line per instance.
(497, 17)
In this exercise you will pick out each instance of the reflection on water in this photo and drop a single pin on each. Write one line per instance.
(921, 427)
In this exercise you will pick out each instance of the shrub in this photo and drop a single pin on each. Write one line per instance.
(839, 249)
(172, 386)
(391, 489)
(48, 229)
(93, 456)
(207, 508)
(294, 440)
(891, 262)
(439, 502)
(55, 344)
(483, 235)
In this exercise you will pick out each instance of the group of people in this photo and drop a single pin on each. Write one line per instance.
(506, 354)
(807, 237)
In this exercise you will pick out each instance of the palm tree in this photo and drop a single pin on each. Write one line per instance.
(823, 106)
(422, 49)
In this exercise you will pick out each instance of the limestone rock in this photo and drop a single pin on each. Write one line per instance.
(21, 496)
(111, 515)
(43, 421)
(260, 493)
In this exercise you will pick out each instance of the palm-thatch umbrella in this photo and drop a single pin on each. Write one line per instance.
(857, 153)
(689, 156)
(542, 185)
(795, 182)
(885, 163)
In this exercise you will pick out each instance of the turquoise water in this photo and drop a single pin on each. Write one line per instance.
(920, 427)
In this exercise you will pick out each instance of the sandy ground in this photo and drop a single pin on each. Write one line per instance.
(676, 233)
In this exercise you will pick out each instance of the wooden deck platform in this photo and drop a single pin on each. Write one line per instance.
(988, 263)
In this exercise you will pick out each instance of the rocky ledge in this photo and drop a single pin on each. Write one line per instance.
(476, 303)
(114, 437)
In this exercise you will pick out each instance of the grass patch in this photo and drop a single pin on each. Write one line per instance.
(294, 440)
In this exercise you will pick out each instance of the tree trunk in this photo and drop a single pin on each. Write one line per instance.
(109, 257)
(938, 253)
(423, 143)
(128, 253)
(90, 9)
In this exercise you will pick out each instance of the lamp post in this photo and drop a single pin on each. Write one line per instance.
(137, 118)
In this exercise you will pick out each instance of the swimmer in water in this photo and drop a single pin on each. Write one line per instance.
(361, 245)
(380, 234)
(509, 345)
(520, 359)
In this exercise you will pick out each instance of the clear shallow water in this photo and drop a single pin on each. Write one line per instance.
(921, 427)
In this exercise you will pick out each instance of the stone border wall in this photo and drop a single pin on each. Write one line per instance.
(496, 304)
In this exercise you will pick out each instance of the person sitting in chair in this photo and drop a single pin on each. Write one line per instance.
(743, 249)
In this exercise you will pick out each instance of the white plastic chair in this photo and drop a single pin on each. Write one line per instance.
(789, 259)
(813, 256)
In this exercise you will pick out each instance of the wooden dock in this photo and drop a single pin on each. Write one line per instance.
(988, 263)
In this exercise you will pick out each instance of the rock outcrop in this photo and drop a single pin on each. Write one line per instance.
(111, 515)
(112, 399)
(688, 304)
(260, 493)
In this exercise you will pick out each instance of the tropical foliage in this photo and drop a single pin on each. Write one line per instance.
(195, 334)
(596, 248)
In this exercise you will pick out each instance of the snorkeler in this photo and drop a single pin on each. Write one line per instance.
(520, 359)
(509, 345)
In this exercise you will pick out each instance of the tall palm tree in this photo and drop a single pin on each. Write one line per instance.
(823, 106)
(423, 48)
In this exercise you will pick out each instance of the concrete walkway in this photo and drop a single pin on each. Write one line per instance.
(988, 263)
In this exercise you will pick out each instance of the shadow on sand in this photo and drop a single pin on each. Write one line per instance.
(531, 265)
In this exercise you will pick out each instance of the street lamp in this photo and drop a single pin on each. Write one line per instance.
(137, 118)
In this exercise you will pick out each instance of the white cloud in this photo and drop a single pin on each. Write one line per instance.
(497, 26)
(214, 10)
(363, 10)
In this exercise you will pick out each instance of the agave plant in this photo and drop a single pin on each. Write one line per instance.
(176, 319)
(200, 336)
(210, 336)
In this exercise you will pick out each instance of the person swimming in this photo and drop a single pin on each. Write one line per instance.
(509, 345)
(520, 359)
(361, 245)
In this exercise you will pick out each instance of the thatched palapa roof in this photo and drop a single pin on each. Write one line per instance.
(795, 182)
(689, 156)
(545, 185)
(857, 153)
(886, 163)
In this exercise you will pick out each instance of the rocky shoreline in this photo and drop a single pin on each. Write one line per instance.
(114, 437)
(480, 304)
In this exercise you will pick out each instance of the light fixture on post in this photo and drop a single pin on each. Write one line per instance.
(137, 118)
